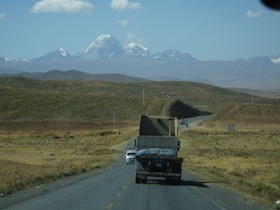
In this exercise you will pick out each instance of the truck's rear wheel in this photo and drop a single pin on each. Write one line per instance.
(137, 180)
(167, 179)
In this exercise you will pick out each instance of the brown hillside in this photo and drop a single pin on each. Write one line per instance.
(253, 116)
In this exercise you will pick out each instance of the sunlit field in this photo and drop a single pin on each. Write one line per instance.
(29, 158)
(50, 130)
(247, 159)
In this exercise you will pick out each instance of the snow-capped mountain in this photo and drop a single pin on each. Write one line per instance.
(275, 59)
(59, 54)
(105, 46)
(5, 59)
(24, 60)
(115, 57)
(137, 50)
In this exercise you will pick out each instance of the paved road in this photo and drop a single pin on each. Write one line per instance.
(115, 189)
(192, 121)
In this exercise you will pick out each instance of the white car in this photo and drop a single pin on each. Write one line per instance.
(130, 156)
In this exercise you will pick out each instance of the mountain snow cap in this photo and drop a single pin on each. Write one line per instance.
(134, 45)
(62, 51)
(275, 59)
(136, 49)
(101, 41)
(105, 46)
(103, 37)
(24, 60)
(7, 59)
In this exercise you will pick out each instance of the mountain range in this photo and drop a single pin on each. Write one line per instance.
(107, 55)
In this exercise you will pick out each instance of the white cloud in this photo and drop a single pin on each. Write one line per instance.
(122, 22)
(125, 5)
(68, 6)
(3, 15)
(251, 14)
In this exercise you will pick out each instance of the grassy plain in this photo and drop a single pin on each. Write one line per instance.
(93, 101)
(46, 152)
(245, 160)
(53, 129)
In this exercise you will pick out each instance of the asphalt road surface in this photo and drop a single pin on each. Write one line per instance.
(115, 188)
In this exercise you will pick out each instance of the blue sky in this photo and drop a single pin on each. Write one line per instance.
(207, 29)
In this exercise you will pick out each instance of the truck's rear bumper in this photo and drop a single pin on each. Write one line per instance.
(157, 174)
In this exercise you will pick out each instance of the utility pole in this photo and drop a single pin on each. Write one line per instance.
(252, 96)
(143, 95)
(114, 120)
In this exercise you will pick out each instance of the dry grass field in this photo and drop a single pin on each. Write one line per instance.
(29, 157)
(245, 160)
(53, 129)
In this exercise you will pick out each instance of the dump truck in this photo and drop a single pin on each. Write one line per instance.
(157, 147)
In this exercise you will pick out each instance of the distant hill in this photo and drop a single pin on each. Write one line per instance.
(81, 76)
(97, 101)
(249, 113)
(8, 71)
